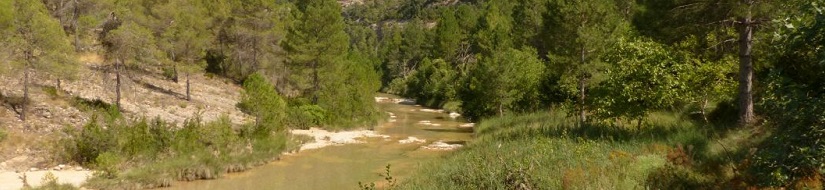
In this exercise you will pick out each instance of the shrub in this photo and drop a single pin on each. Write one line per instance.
(306, 116)
(107, 165)
(260, 99)
(795, 149)
(88, 143)
(49, 182)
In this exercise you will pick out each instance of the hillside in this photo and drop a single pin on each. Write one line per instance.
(146, 95)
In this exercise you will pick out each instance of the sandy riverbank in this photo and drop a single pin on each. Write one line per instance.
(10, 180)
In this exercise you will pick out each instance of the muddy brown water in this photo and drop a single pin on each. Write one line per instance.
(342, 167)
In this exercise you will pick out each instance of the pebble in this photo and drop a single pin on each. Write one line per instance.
(33, 169)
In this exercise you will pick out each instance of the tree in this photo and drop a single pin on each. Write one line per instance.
(793, 101)
(433, 83)
(583, 30)
(316, 41)
(248, 38)
(260, 99)
(348, 94)
(75, 16)
(128, 44)
(506, 82)
(496, 28)
(186, 38)
(448, 36)
(720, 18)
(646, 75)
(41, 46)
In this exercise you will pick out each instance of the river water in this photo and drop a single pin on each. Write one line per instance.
(342, 167)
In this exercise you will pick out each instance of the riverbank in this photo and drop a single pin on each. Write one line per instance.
(549, 150)
(16, 180)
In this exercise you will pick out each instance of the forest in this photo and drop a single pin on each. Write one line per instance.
(681, 94)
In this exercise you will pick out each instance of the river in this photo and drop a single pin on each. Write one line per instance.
(342, 167)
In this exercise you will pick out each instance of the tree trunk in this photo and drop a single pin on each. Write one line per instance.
(25, 102)
(315, 83)
(582, 88)
(188, 96)
(117, 83)
(704, 108)
(500, 108)
(746, 71)
(75, 16)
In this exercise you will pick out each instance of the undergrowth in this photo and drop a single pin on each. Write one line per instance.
(151, 153)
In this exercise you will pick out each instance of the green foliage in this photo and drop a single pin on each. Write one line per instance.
(88, 143)
(506, 82)
(349, 100)
(197, 150)
(316, 42)
(260, 99)
(49, 182)
(433, 83)
(449, 36)
(248, 37)
(550, 150)
(39, 38)
(306, 116)
(793, 105)
(131, 44)
(645, 76)
(107, 164)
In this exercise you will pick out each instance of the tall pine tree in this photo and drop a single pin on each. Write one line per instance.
(316, 41)
(40, 44)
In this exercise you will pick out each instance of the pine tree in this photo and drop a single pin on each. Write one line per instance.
(41, 46)
(315, 42)
(186, 38)
(583, 30)
(128, 44)
(717, 18)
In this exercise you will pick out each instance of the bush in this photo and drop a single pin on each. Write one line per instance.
(49, 182)
(145, 154)
(260, 99)
(306, 116)
(107, 165)
(86, 145)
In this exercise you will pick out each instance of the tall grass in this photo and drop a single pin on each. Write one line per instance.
(552, 151)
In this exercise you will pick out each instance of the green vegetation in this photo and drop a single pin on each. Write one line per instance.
(146, 154)
(635, 88)
(151, 153)
(551, 151)
(50, 183)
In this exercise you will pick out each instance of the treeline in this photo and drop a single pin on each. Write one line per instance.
(301, 47)
(729, 62)
(487, 58)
